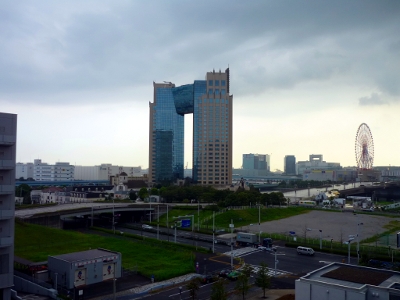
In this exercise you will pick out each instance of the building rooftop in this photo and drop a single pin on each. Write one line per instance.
(84, 255)
(354, 276)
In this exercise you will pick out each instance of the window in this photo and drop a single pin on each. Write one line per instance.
(217, 91)
(210, 83)
(223, 82)
(210, 91)
(223, 92)
(216, 82)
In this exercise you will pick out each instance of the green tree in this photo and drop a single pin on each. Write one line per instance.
(242, 284)
(24, 190)
(154, 191)
(143, 193)
(218, 291)
(193, 286)
(263, 280)
(132, 195)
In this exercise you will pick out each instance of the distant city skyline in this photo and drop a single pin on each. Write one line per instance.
(304, 75)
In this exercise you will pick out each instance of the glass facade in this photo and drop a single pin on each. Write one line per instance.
(167, 135)
(212, 130)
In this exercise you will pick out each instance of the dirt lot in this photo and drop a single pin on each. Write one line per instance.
(334, 225)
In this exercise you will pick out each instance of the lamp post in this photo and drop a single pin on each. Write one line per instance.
(259, 223)
(158, 221)
(276, 261)
(198, 215)
(113, 216)
(167, 224)
(358, 242)
(348, 243)
(213, 248)
(231, 226)
(320, 236)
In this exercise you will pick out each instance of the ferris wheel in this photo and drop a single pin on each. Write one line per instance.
(364, 147)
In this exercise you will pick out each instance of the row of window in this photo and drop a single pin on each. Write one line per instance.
(217, 91)
(216, 82)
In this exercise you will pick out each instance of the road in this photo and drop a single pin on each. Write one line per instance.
(289, 262)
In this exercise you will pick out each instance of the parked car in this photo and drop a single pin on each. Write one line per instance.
(234, 275)
(145, 226)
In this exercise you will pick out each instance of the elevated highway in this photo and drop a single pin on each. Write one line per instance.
(88, 214)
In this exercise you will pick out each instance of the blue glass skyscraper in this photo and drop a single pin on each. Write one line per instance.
(211, 105)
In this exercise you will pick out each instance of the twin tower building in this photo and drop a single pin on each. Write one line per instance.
(210, 103)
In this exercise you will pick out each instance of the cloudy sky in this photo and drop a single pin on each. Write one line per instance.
(304, 75)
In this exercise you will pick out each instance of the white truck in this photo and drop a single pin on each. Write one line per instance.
(246, 239)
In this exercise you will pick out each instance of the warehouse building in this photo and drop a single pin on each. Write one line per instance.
(80, 269)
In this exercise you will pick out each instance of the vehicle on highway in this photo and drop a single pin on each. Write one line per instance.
(234, 275)
(145, 226)
(207, 278)
(267, 242)
(224, 273)
(305, 251)
(267, 249)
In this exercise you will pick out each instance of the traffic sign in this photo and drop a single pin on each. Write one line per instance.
(186, 223)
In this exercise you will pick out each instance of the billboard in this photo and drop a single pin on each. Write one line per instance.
(80, 277)
(186, 223)
(108, 271)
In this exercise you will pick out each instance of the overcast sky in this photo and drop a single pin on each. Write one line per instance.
(304, 75)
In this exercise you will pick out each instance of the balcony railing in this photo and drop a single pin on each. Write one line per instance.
(7, 139)
(7, 164)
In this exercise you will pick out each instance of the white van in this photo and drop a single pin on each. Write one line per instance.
(305, 251)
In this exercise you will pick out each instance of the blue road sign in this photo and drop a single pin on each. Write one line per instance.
(186, 223)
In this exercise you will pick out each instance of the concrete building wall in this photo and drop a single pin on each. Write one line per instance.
(24, 170)
(8, 144)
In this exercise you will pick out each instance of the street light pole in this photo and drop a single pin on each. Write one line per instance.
(113, 221)
(231, 226)
(213, 248)
(167, 224)
(320, 239)
(158, 221)
(358, 242)
(348, 258)
(259, 223)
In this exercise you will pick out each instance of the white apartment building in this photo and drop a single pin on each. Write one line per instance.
(104, 171)
(61, 171)
(316, 162)
(24, 171)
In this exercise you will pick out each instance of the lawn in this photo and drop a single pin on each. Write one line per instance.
(250, 216)
(240, 218)
(35, 243)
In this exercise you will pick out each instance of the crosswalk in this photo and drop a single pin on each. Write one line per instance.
(270, 272)
(241, 251)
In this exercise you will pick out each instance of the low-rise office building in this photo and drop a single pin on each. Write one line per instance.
(84, 268)
(342, 281)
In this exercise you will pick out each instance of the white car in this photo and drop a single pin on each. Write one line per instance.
(145, 226)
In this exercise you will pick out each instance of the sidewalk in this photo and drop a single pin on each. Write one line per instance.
(257, 293)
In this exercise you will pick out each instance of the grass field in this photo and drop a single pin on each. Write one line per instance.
(240, 218)
(35, 243)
